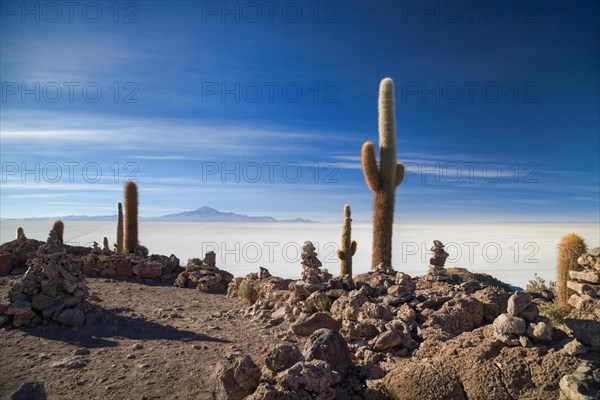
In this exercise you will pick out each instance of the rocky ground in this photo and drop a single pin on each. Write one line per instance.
(449, 334)
(155, 341)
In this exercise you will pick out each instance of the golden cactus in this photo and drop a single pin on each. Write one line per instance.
(59, 228)
(119, 244)
(570, 248)
(20, 232)
(348, 245)
(131, 217)
(383, 179)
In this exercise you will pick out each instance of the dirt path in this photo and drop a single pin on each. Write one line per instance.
(156, 342)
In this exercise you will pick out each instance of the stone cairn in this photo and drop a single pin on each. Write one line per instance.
(522, 322)
(436, 271)
(313, 277)
(205, 276)
(586, 285)
(52, 289)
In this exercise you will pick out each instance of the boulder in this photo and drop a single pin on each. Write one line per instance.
(391, 339)
(34, 390)
(282, 356)
(518, 302)
(315, 376)
(71, 317)
(316, 321)
(234, 377)
(541, 330)
(328, 345)
(508, 324)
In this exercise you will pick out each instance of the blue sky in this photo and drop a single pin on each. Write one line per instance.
(261, 108)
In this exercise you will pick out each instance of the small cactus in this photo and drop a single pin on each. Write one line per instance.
(383, 179)
(131, 217)
(348, 245)
(105, 244)
(570, 248)
(59, 228)
(119, 244)
(20, 231)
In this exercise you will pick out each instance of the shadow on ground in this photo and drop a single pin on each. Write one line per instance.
(111, 324)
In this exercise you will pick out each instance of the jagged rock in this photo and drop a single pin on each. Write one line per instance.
(391, 339)
(348, 307)
(584, 288)
(586, 331)
(508, 324)
(314, 376)
(34, 390)
(316, 321)
(328, 345)
(541, 330)
(358, 330)
(585, 276)
(457, 316)
(282, 356)
(531, 312)
(518, 302)
(574, 347)
(494, 300)
(234, 377)
(581, 385)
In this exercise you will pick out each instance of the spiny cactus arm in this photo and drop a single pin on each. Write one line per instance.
(353, 247)
(399, 178)
(369, 166)
(340, 254)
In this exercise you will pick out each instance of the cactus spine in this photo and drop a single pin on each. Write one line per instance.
(131, 217)
(59, 228)
(105, 243)
(570, 248)
(119, 248)
(20, 232)
(384, 179)
(348, 245)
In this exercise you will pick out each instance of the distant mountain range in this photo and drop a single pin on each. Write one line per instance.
(204, 214)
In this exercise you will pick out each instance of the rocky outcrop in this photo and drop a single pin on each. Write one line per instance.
(586, 285)
(99, 263)
(52, 289)
(205, 276)
(15, 254)
(474, 365)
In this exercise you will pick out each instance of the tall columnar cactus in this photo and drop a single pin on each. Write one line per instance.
(119, 248)
(348, 245)
(131, 217)
(570, 248)
(59, 228)
(383, 179)
(20, 232)
(105, 244)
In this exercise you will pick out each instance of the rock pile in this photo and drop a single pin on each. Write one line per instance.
(317, 372)
(15, 254)
(436, 271)
(586, 285)
(204, 276)
(109, 265)
(522, 322)
(52, 289)
(313, 277)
